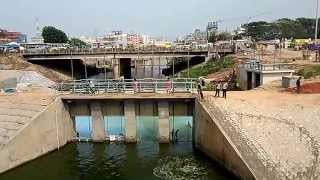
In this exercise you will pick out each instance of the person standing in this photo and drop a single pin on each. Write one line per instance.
(298, 83)
(135, 85)
(224, 89)
(168, 86)
(199, 87)
(218, 88)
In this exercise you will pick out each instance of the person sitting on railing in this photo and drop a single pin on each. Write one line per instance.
(135, 85)
(169, 85)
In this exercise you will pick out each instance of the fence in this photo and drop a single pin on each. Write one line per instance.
(93, 86)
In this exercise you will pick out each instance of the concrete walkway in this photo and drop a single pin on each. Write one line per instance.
(280, 132)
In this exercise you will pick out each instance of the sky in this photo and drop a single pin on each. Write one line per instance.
(160, 18)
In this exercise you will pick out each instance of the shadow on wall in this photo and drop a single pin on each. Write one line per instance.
(182, 64)
(64, 66)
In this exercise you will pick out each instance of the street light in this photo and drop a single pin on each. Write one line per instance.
(316, 31)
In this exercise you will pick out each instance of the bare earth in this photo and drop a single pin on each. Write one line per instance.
(283, 128)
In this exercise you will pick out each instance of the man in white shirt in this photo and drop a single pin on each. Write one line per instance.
(224, 89)
(218, 88)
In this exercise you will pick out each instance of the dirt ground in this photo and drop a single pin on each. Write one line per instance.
(14, 62)
(283, 128)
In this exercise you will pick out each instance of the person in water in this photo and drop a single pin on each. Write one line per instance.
(176, 135)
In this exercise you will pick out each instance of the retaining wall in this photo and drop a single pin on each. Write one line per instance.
(48, 131)
(213, 141)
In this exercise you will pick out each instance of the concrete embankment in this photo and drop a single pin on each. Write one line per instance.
(211, 139)
(32, 128)
(277, 133)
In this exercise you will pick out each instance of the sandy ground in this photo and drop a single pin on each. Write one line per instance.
(283, 128)
(14, 62)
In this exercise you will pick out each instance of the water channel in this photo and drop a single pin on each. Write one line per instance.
(146, 160)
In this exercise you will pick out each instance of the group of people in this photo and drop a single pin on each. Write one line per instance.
(221, 86)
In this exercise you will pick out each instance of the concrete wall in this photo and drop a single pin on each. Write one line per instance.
(268, 77)
(131, 121)
(49, 130)
(164, 124)
(98, 126)
(210, 138)
(243, 78)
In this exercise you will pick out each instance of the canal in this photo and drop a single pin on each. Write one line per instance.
(146, 160)
(143, 161)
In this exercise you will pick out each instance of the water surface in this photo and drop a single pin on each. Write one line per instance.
(89, 161)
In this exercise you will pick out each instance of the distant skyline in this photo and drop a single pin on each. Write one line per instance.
(165, 18)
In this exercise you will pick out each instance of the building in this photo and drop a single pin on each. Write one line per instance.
(12, 36)
(252, 74)
(134, 39)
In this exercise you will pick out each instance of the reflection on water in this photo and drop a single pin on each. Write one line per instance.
(88, 161)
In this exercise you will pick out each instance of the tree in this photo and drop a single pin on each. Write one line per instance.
(260, 30)
(223, 36)
(212, 37)
(52, 35)
(300, 28)
(77, 43)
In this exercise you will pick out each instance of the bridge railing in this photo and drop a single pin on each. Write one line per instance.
(123, 51)
(87, 86)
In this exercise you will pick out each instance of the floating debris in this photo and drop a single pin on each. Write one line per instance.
(180, 168)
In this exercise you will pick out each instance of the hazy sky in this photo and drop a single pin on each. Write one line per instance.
(163, 18)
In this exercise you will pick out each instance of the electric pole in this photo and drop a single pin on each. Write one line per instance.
(317, 20)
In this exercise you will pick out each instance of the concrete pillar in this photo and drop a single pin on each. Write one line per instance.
(253, 80)
(164, 124)
(116, 68)
(98, 128)
(131, 123)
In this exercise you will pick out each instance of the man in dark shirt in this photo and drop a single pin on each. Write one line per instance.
(298, 83)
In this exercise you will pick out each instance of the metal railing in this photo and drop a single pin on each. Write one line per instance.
(93, 86)
(124, 51)
(269, 67)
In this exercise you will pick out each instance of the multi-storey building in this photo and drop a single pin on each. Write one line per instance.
(134, 39)
(11, 36)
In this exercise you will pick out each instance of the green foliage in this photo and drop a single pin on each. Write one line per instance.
(310, 71)
(212, 66)
(223, 36)
(77, 43)
(52, 35)
(180, 168)
(300, 28)
(212, 37)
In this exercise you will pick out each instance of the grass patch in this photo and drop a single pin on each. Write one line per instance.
(212, 66)
(309, 71)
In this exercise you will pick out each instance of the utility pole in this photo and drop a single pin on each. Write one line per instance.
(317, 20)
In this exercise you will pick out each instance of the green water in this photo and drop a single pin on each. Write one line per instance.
(88, 161)
(146, 160)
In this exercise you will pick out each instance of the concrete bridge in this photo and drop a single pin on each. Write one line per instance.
(122, 61)
(124, 53)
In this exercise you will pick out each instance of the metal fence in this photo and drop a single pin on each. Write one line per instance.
(94, 86)
(124, 51)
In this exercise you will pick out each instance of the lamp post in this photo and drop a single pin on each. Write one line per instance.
(317, 20)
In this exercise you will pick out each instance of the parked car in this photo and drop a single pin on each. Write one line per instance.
(10, 90)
